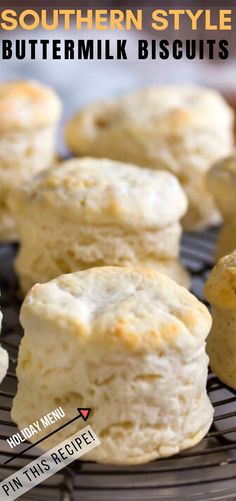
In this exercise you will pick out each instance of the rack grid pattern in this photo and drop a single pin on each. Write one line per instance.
(206, 472)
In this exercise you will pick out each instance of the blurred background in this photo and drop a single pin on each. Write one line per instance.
(81, 82)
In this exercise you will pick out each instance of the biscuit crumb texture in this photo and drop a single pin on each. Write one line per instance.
(183, 130)
(128, 342)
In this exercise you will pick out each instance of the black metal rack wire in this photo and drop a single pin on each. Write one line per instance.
(206, 472)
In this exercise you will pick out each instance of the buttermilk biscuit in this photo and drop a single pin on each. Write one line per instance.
(221, 181)
(4, 360)
(180, 129)
(221, 343)
(29, 112)
(130, 344)
(94, 212)
(226, 242)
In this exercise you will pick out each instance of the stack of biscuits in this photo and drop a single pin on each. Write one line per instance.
(179, 129)
(95, 212)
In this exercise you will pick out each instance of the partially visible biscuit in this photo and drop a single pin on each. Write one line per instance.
(220, 291)
(201, 206)
(179, 129)
(3, 363)
(4, 359)
(27, 105)
(8, 231)
(29, 113)
(226, 242)
(221, 285)
(130, 344)
(221, 181)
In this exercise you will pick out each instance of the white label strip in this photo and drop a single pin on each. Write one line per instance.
(48, 464)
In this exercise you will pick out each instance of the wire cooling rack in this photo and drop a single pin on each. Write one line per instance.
(206, 472)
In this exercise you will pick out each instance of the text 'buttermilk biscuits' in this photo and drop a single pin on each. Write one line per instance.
(130, 344)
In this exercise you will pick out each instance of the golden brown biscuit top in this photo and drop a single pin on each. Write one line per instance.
(220, 288)
(133, 307)
(27, 104)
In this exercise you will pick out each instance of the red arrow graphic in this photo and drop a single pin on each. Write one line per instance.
(82, 413)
